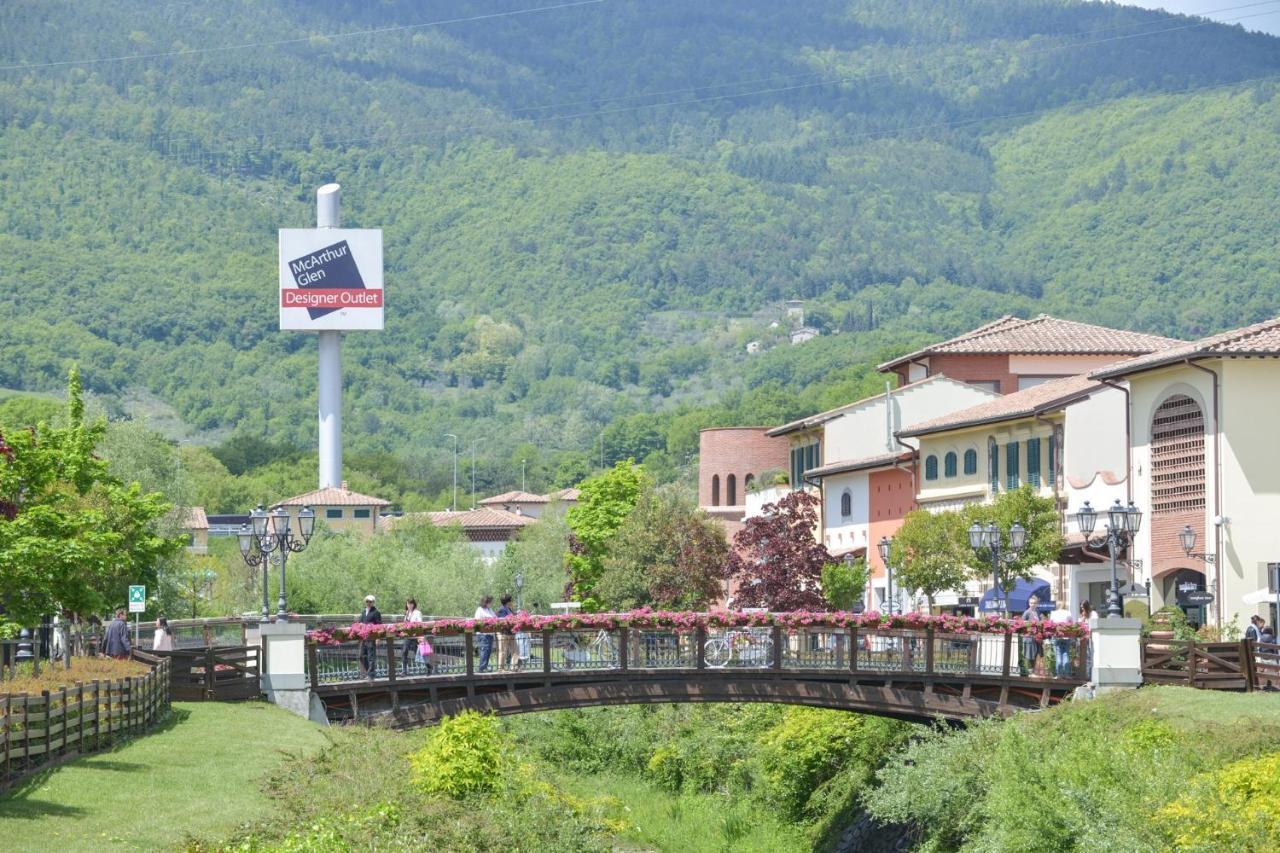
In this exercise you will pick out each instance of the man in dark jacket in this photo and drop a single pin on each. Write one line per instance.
(115, 643)
(369, 648)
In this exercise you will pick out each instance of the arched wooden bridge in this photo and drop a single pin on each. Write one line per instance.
(918, 675)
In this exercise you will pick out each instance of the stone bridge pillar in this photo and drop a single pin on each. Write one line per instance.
(1117, 655)
(284, 675)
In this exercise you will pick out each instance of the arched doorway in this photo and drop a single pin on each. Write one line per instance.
(1178, 585)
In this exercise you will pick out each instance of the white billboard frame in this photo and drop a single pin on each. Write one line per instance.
(348, 258)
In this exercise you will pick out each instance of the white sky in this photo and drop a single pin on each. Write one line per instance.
(1250, 14)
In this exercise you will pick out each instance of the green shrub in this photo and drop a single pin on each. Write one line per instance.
(811, 746)
(463, 755)
(1234, 808)
(664, 769)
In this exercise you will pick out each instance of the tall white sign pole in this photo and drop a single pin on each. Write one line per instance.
(328, 215)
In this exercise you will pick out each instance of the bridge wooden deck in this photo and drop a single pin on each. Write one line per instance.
(911, 675)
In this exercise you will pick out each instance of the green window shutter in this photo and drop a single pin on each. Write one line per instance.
(1011, 465)
(993, 464)
(970, 462)
(931, 468)
(1053, 459)
(949, 465)
(1033, 462)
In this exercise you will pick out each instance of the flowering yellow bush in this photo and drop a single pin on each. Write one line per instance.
(1236, 807)
(462, 756)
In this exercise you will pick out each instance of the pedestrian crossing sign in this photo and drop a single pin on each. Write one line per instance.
(137, 598)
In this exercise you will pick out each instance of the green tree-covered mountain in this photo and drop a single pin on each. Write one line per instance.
(590, 209)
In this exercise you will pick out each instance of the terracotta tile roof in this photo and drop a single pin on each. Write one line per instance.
(196, 519)
(810, 421)
(1045, 397)
(1260, 339)
(470, 519)
(516, 497)
(480, 518)
(1042, 335)
(565, 495)
(842, 466)
(333, 496)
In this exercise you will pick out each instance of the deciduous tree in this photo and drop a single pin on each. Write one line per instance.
(667, 553)
(776, 559)
(603, 505)
(930, 553)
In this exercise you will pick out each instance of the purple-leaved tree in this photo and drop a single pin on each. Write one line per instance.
(776, 560)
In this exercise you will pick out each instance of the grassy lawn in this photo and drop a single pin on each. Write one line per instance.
(1185, 706)
(198, 774)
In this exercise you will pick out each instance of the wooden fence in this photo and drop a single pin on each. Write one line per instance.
(223, 674)
(1244, 665)
(42, 730)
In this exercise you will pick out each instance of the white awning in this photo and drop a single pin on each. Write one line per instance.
(1261, 596)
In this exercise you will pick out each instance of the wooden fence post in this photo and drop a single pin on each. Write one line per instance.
(469, 645)
(1191, 663)
(391, 660)
(1008, 648)
(546, 651)
(700, 647)
(8, 740)
(928, 650)
(776, 637)
(208, 673)
(624, 644)
(853, 648)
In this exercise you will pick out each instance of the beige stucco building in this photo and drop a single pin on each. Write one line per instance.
(1202, 421)
(338, 509)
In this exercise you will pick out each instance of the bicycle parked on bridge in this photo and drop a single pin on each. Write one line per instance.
(601, 652)
(750, 647)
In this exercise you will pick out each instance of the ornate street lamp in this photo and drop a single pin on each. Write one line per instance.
(1123, 524)
(1188, 539)
(988, 539)
(268, 539)
(885, 545)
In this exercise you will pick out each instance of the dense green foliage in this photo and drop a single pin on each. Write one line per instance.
(462, 756)
(72, 536)
(805, 766)
(1088, 776)
(589, 211)
(603, 506)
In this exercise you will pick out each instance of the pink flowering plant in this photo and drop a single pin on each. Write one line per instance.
(686, 622)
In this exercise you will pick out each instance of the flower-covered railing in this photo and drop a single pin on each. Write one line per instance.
(687, 622)
(648, 640)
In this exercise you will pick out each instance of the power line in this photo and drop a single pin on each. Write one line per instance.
(195, 51)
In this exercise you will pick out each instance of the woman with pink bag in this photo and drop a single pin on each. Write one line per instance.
(411, 644)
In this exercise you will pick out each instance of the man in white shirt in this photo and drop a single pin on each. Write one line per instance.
(485, 611)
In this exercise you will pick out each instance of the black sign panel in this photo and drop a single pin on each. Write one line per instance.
(1198, 598)
(330, 268)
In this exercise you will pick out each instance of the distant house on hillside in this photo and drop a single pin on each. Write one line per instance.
(339, 508)
(804, 333)
(521, 503)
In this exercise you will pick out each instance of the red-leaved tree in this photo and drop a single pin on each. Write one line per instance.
(776, 560)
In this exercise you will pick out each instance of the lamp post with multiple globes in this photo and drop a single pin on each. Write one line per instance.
(989, 539)
(268, 539)
(1123, 524)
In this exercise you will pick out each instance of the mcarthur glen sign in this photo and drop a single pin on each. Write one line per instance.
(330, 279)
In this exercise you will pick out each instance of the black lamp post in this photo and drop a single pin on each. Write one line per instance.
(1122, 526)
(270, 539)
(885, 545)
(988, 539)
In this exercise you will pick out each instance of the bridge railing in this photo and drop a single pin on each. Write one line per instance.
(622, 649)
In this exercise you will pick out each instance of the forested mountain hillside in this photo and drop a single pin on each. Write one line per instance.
(590, 207)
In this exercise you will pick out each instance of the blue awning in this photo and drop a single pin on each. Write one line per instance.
(995, 600)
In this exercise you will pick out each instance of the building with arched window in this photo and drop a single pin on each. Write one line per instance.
(1201, 419)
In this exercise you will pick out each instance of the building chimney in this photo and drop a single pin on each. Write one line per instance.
(344, 485)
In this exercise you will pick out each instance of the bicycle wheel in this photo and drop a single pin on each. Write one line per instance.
(716, 653)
